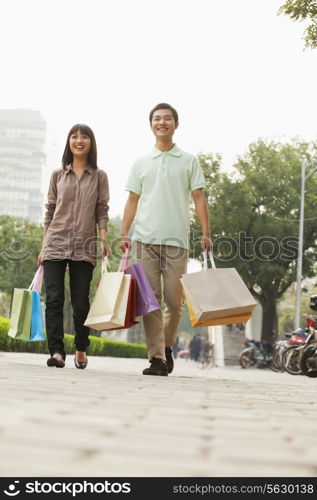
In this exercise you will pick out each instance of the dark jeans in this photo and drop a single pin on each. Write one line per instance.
(80, 275)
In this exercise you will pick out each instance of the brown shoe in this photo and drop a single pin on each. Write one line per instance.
(157, 367)
(169, 359)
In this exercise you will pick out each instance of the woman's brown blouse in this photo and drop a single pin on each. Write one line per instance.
(73, 211)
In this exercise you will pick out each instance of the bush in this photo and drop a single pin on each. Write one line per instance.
(98, 346)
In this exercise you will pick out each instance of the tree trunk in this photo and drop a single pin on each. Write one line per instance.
(269, 319)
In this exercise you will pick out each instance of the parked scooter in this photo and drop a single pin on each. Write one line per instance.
(300, 355)
(292, 351)
(255, 353)
(308, 358)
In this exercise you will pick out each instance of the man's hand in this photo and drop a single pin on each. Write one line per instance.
(206, 243)
(125, 243)
(202, 212)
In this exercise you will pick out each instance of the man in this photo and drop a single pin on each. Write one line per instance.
(159, 188)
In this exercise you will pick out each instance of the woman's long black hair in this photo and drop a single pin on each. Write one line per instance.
(92, 155)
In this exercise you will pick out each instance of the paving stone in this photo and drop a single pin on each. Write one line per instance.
(109, 420)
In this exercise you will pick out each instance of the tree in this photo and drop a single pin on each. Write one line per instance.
(20, 242)
(286, 306)
(300, 10)
(254, 214)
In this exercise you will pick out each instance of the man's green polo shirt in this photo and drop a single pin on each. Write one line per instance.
(164, 181)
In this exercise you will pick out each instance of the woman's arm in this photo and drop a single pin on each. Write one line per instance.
(103, 242)
(102, 209)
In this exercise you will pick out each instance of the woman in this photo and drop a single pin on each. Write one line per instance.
(78, 199)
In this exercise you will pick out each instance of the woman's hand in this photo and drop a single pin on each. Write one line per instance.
(104, 248)
(39, 259)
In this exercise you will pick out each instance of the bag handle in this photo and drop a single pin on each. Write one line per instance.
(105, 265)
(211, 258)
(125, 261)
(37, 281)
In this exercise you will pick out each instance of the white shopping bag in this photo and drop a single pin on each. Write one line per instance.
(109, 306)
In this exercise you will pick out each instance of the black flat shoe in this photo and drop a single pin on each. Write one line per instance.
(58, 363)
(81, 365)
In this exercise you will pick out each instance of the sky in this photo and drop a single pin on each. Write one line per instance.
(234, 70)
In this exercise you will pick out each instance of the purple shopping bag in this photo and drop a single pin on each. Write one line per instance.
(146, 301)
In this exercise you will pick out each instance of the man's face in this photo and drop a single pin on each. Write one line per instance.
(163, 124)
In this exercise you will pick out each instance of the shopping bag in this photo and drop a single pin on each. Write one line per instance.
(217, 296)
(146, 301)
(20, 318)
(109, 306)
(130, 318)
(26, 311)
(228, 320)
(37, 326)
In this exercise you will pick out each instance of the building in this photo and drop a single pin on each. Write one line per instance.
(227, 340)
(22, 138)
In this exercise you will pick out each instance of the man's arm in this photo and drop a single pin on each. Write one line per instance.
(202, 213)
(128, 217)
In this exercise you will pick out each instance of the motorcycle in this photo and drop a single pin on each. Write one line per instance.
(300, 355)
(292, 352)
(308, 357)
(256, 353)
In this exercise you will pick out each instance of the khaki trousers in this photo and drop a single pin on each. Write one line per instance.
(164, 265)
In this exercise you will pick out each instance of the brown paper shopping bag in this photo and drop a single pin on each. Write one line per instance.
(228, 320)
(217, 296)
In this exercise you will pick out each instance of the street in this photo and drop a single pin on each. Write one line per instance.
(109, 420)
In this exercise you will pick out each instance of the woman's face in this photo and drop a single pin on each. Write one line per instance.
(79, 144)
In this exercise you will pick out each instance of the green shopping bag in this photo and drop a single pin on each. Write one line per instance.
(21, 313)
(20, 320)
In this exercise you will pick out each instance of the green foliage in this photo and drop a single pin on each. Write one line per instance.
(300, 10)
(286, 305)
(98, 346)
(5, 304)
(20, 242)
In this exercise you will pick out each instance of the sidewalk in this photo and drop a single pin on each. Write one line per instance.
(109, 420)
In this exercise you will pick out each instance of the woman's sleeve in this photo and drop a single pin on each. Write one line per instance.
(51, 200)
(102, 206)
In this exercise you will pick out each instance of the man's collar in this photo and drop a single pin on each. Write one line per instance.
(89, 169)
(175, 151)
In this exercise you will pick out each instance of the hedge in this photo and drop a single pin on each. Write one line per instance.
(98, 346)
